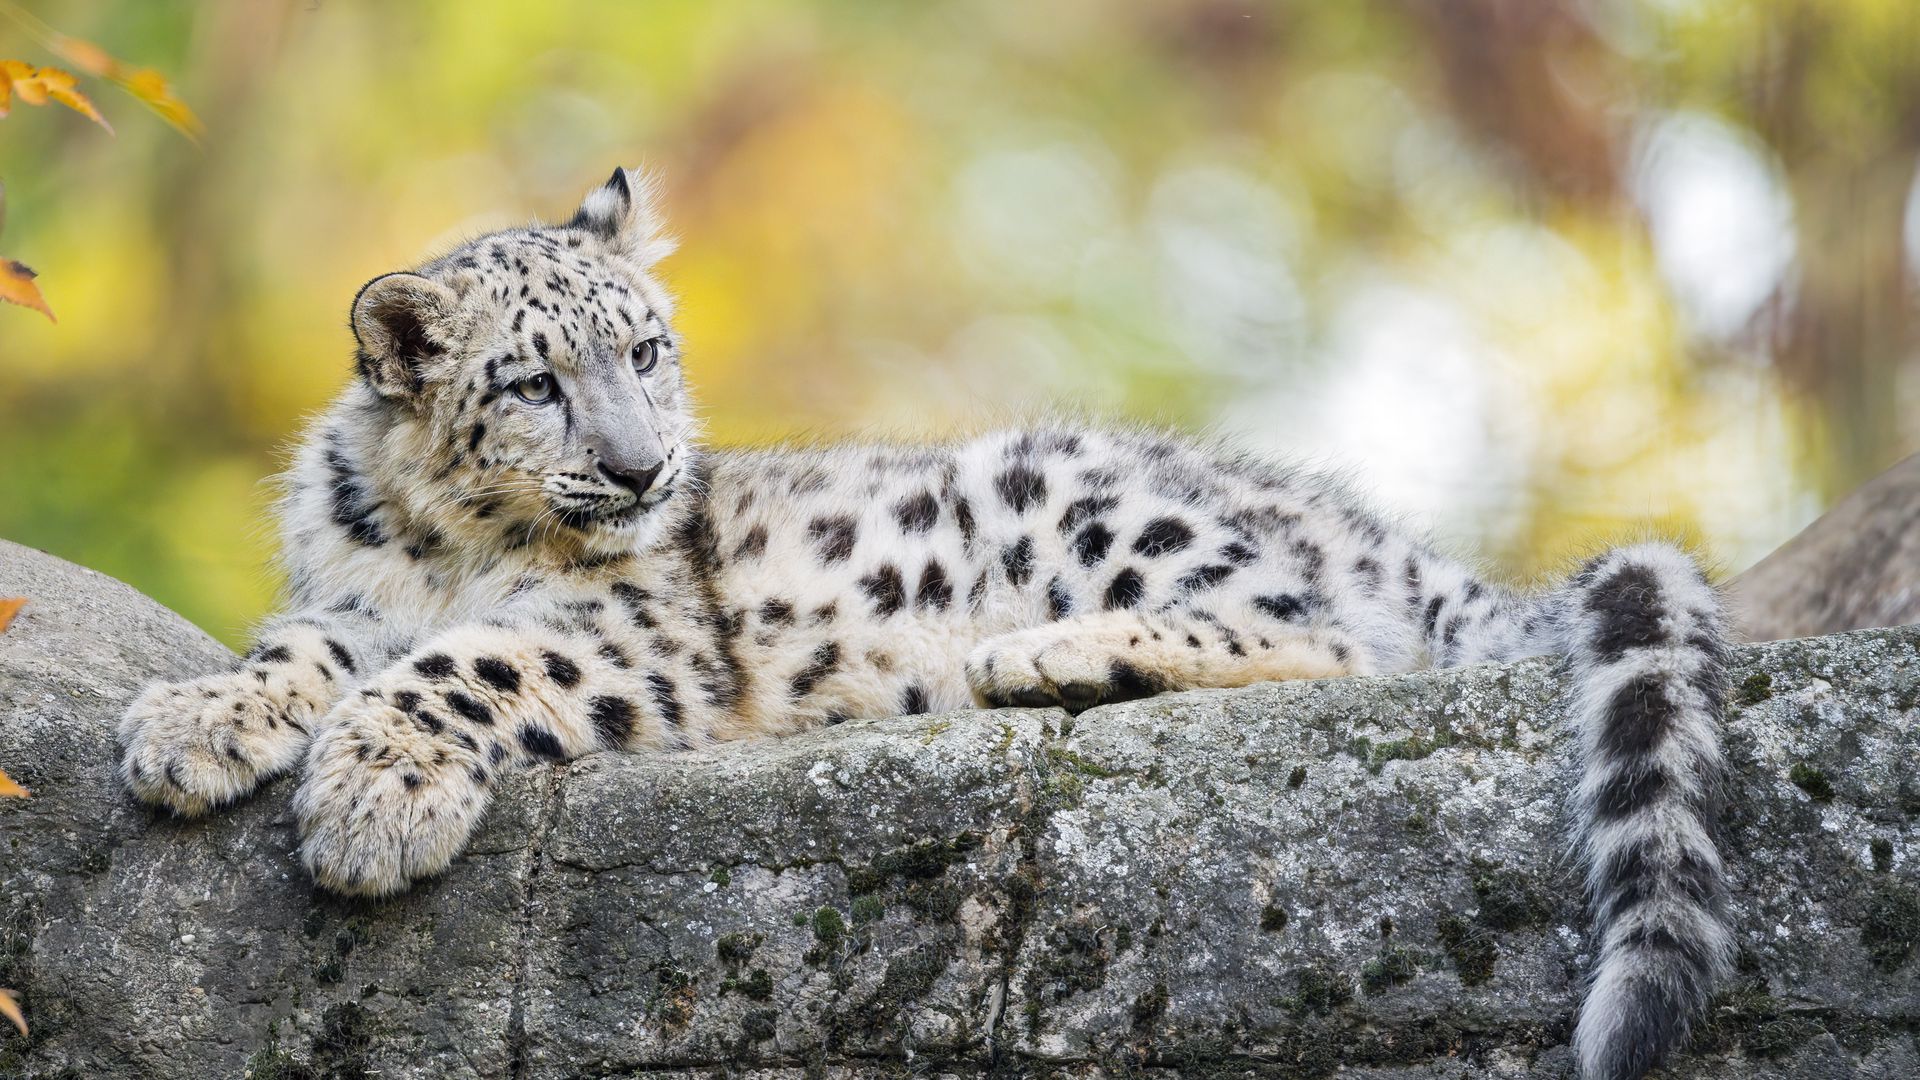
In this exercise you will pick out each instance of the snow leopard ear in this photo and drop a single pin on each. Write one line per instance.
(624, 214)
(400, 321)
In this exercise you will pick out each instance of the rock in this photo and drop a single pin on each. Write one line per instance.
(1366, 876)
(1857, 566)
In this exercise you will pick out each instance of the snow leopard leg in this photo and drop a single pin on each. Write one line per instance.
(1647, 648)
(399, 773)
(1113, 656)
(194, 745)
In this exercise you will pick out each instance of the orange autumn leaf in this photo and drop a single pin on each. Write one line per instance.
(10, 1008)
(17, 287)
(149, 86)
(10, 788)
(153, 91)
(144, 83)
(85, 55)
(37, 86)
(62, 87)
(17, 77)
(8, 69)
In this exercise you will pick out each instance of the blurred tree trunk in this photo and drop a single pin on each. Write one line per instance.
(209, 255)
(1857, 566)
(1841, 326)
(1533, 80)
(1833, 93)
(1849, 331)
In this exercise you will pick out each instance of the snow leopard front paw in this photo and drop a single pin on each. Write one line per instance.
(385, 801)
(1074, 667)
(196, 745)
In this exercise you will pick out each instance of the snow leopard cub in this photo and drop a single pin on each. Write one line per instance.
(505, 545)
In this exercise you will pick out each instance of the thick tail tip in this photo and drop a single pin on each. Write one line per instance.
(1628, 1025)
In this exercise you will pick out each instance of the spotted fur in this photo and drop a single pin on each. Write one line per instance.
(484, 575)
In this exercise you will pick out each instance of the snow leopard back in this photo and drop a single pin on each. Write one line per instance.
(947, 545)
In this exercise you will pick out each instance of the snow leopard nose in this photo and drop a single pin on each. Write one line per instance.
(635, 478)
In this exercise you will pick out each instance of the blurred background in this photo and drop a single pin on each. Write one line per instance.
(1541, 274)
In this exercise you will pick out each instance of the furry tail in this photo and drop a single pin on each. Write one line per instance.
(1648, 650)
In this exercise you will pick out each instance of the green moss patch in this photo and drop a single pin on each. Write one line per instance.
(1075, 959)
(759, 1025)
(1318, 990)
(1509, 901)
(908, 976)
(829, 931)
(1067, 759)
(1470, 947)
(1812, 781)
(736, 949)
(868, 909)
(1755, 689)
(756, 984)
(828, 926)
(1890, 924)
(1412, 748)
(1150, 1006)
(343, 1047)
(1762, 1027)
(674, 993)
(919, 861)
(1391, 967)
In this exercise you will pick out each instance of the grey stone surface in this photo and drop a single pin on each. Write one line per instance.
(1857, 566)
(1364, 877)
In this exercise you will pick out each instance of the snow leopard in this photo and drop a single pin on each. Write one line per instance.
(506, 543)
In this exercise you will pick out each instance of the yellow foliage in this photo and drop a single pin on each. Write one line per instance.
(31, 85)
(37, 86)
(151, 89)
(34, 86)
(84, 55)
(17, 287)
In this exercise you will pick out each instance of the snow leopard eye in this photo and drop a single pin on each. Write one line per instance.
(536, 389)
(646, 356)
